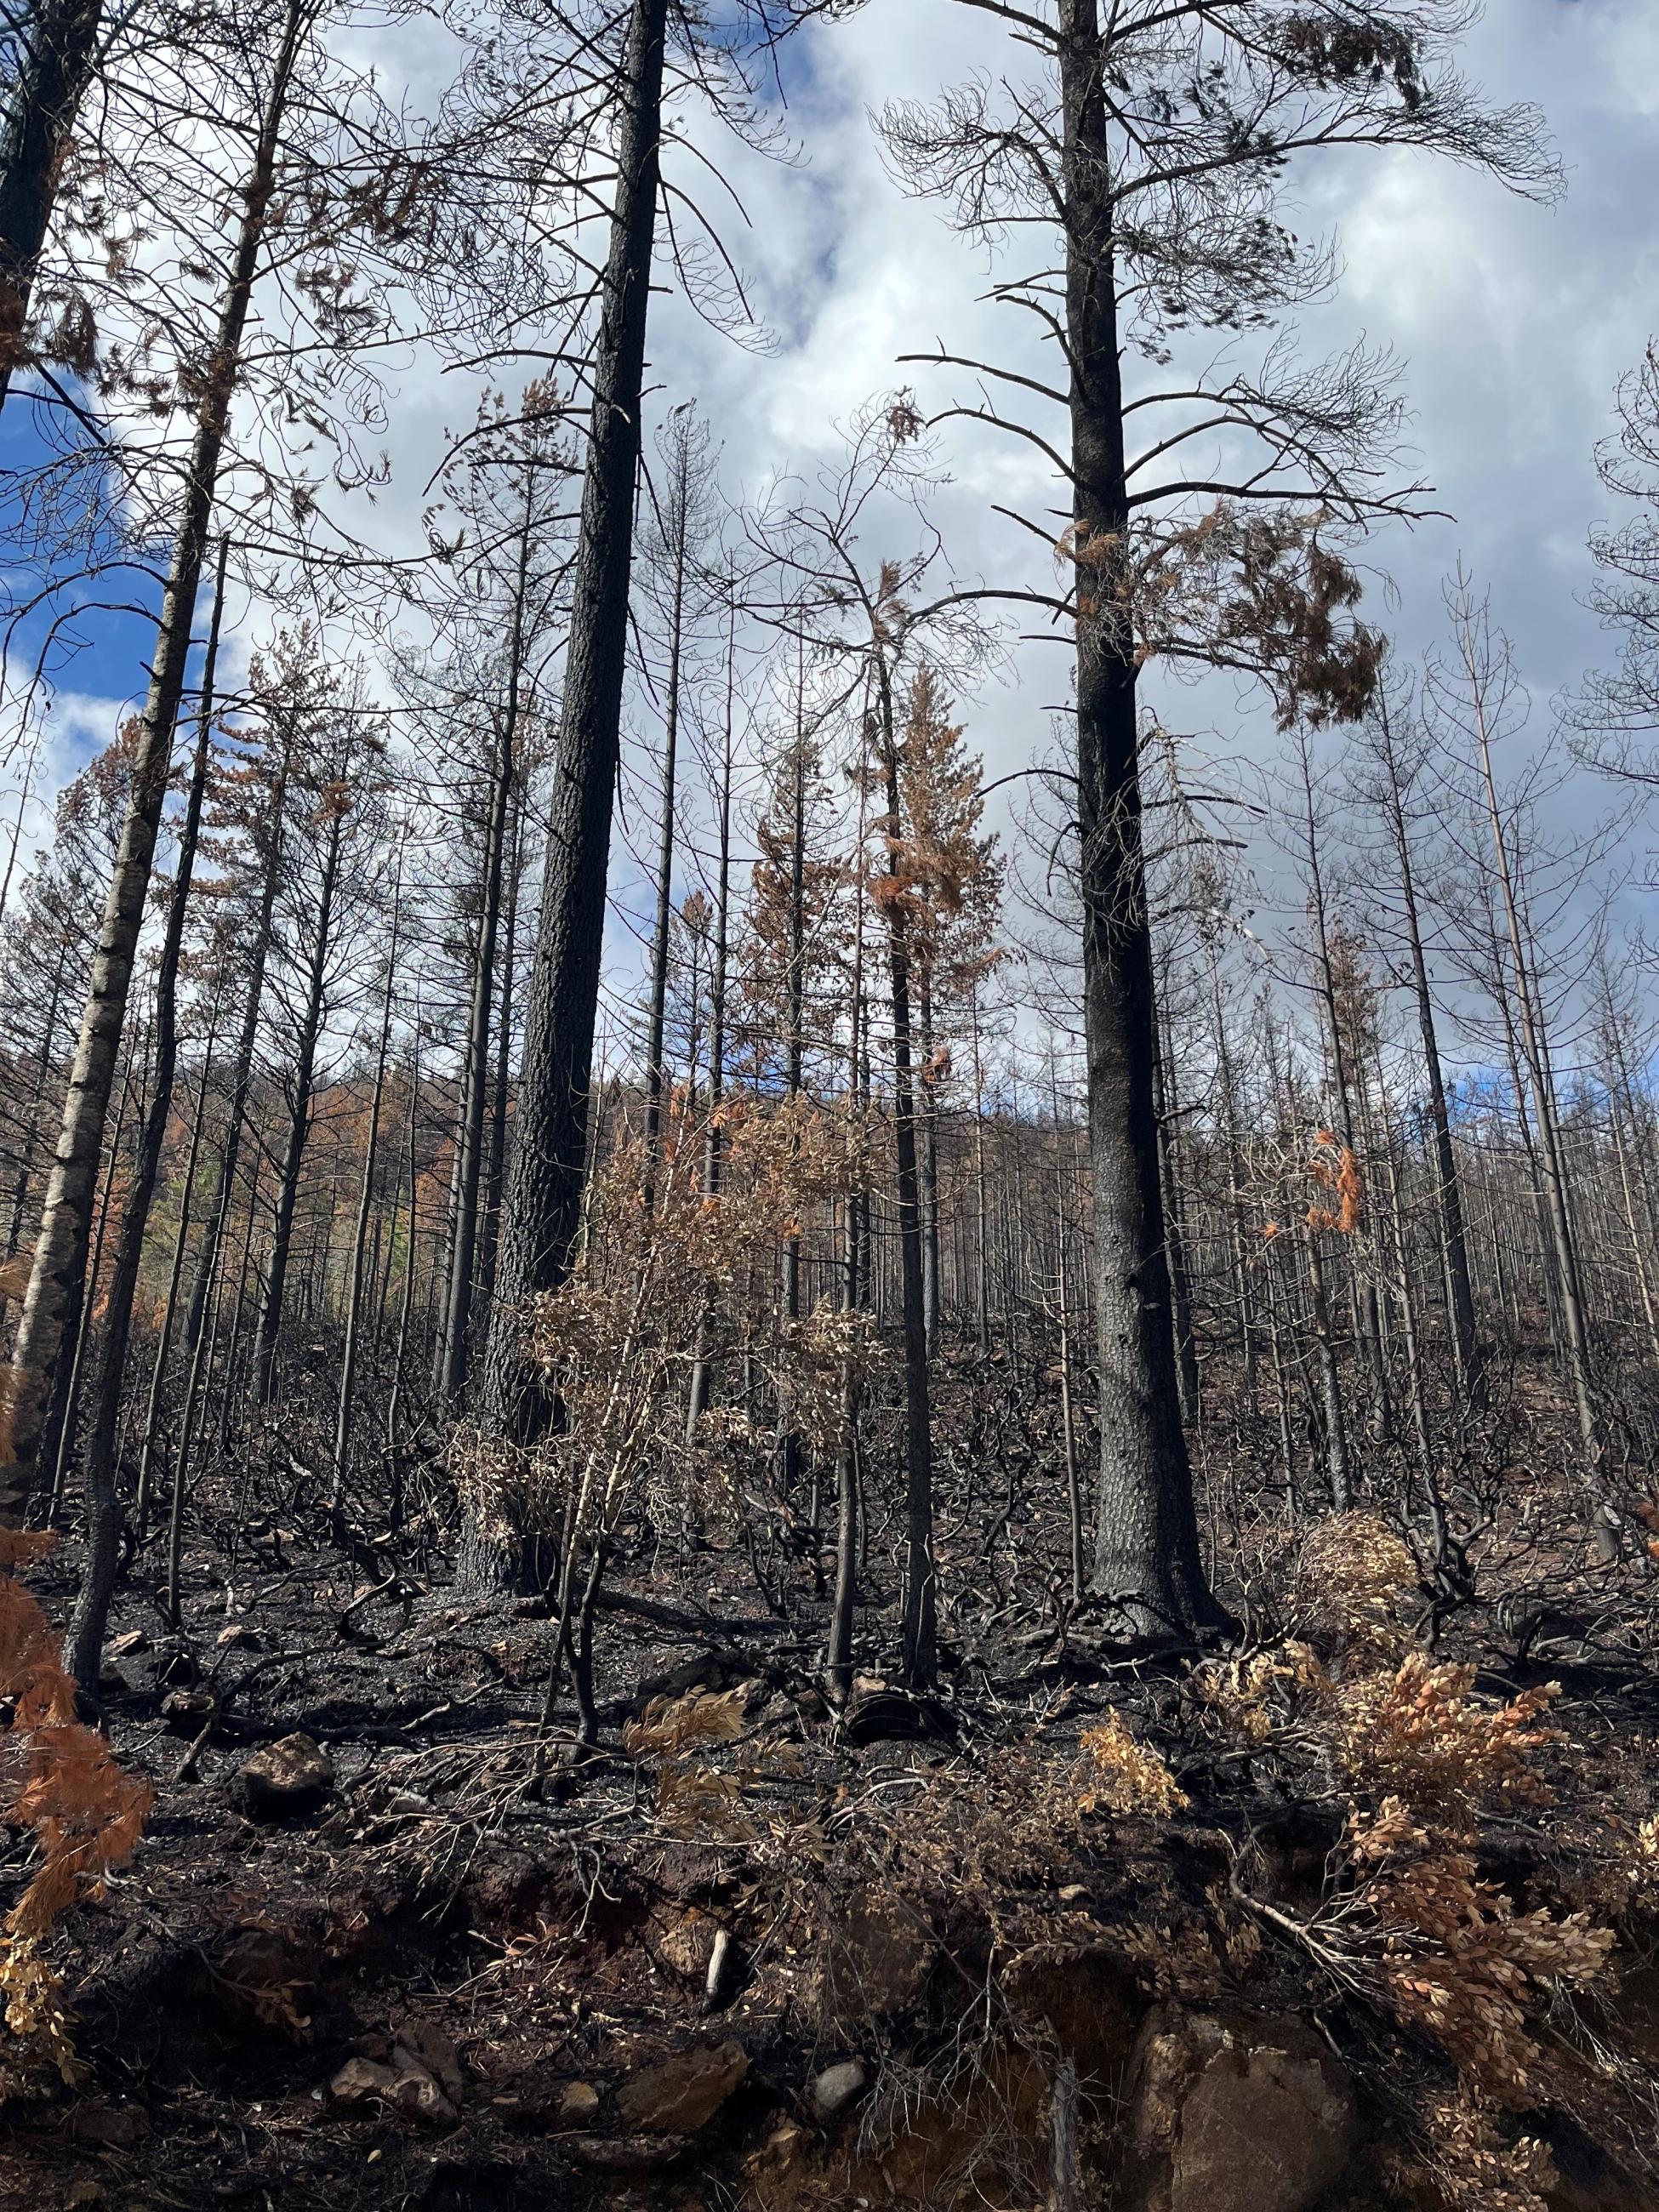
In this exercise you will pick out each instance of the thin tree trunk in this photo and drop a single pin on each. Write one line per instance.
(1465, 1348)
(1338, 1468)
(164, 1334)
(86, 1635)
(299, 1120)
(346, 1406)
(843, 1605)
(470, 1139)
(933, 1292)
(1281, 1385)
(400, 1364)
(981, 1195)
(1167, 1108)
(1237, 1235)
(1068, 1419)
(921, 1633)
(697, 1397)
(1332, 1412)
(655, 1072)
(1402, 1278)
(794, 1046)
(489, 1227)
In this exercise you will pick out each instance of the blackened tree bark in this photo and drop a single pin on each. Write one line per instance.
(933, 1284)
(542, 1207)
(702, 1367)
(301, 1083)
(150, 1430)
(57, 49)
(1460, 1291)
(345, 1405)
(1334, 1423)
(1146, 1560)
(921, 1631)
(86, 1637)
(1167, 1111)
(475, 1086)
(843, 1604)
(501, 1081)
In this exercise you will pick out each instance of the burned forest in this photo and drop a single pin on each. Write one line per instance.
(829, 1106)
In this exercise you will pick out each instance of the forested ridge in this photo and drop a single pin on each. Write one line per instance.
(757, 1451)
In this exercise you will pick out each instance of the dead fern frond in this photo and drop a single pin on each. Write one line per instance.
(60, 1779)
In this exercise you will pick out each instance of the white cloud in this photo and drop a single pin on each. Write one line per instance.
(38, 757)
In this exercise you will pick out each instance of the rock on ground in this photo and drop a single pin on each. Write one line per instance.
(834, 2090)
(1236, 2116)
(685, 2090)
(293, 1776)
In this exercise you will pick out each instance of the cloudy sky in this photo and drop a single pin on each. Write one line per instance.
(1513, 322)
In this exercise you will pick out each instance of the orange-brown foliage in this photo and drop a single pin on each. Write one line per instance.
(58, 1778)
(1345, 1182)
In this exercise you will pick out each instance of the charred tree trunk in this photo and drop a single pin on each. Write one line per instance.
(921, 1631)
(475, 1086)
(490, 1225)
(1459, 1290)
(933, 1286)
(349, 1355)
(1167, 1110)
(299, 1118)
(164, 1334)
(794, 1045)
(697, 1398)
(86, 1636)
(542, 1211)
(656, 1074)
(982, 1194)
(1147, 1562)
(59, 40)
